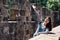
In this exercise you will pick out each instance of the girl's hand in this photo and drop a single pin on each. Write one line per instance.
(38, 33)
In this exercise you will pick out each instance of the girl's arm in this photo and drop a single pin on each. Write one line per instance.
(37, 14)
(35, 34)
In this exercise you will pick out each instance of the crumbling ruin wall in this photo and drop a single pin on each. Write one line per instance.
(21, 13)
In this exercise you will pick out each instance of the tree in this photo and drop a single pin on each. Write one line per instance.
(42, 2)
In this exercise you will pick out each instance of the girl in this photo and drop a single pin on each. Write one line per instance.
(43, 27)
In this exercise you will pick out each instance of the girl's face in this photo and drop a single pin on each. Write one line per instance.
(46, 20)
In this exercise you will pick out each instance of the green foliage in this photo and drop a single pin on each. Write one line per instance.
(50, 4)
(9, 7)
(53, 4)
